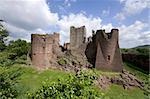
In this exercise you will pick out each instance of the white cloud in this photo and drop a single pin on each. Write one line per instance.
(24, 17)
(27, 14)
(132, 7)
(107, 27)
(106, 12)
(120, 16)
(65, 5)
(20, 33)
(134, 34)
(78, 20)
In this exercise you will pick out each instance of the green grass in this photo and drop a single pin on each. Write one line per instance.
(139, 73)
(117, 92)
(31, 80)
(109, 74)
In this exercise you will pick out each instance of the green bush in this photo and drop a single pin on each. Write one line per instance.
(143, 51)
(62, 61)
(18, 48)
(79, 86)
(21, 60)
(8, 80)
(6, 62)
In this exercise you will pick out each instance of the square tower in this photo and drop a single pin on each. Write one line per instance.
(77, 36)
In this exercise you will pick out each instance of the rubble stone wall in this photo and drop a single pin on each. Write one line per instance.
(77, 36)
(103, 52)
(43, 48)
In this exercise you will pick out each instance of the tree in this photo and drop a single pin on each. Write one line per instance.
(18, 48)
(3, 35)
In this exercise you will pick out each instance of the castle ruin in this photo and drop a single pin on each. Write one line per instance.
(44, 49)
(102, 50)
(77, 36)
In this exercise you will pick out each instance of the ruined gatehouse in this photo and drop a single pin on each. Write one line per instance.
(101, 50)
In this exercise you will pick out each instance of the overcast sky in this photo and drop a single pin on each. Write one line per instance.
(131, 17)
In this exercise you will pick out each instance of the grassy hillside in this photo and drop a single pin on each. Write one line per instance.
(31, 80)
(27, 79)
(136, 50)
(143, 46)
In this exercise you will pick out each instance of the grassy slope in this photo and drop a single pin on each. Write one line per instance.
(31, 80)
(117, 92)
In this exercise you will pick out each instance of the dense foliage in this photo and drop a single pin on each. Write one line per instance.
(18, 48)
(79, 86)
(15, 52)
(8, 80)
(3, 35)
(137, 51)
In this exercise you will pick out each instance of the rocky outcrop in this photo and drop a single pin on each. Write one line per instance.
(125, 79)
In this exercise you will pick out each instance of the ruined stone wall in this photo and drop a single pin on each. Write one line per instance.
(103, 51)
(77, 36)
(43, 49)
(66, 46)
(108, 54)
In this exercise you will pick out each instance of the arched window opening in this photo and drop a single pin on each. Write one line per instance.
(108, 57)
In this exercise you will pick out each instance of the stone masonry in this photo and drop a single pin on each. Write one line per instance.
(108, 54)
(103, 51)
(43, 49)
(77, 36)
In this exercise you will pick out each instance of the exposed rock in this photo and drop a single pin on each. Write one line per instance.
(126, 79)
(103, 82)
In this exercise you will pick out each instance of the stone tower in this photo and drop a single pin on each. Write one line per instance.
(103, 51)
(108, 56)
(43, 48)
(77, 36)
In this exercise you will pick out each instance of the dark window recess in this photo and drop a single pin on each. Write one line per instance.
(108, 57)
(34, 54)
(43, 47)
(53, 41)
(84, 39)
(44, 39)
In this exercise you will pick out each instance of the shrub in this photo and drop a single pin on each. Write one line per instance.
(62, 61)
(79, 86)
(18, 48)
(6, 62)
(8, 80)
